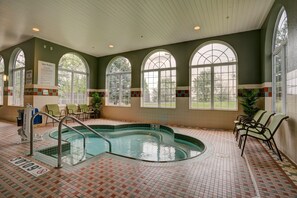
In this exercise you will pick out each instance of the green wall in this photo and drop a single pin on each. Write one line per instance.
(28, 48)
(267, 31)
(46, 54)
(246, 45)
(34, 50)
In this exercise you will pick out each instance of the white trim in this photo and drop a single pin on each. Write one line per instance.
(40, 86)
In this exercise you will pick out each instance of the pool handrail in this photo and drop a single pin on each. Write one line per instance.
(60, 137)
(52, 117)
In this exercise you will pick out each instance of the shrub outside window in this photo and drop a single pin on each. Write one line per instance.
(72, 79)
(279, 62)
(159, 80)
(213, 75)
(118, 82)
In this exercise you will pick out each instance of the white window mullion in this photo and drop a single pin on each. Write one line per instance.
(71, 89)
(120, 89)
(159, 88)
(212, 87)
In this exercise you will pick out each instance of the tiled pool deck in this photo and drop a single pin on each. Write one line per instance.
(219, 172)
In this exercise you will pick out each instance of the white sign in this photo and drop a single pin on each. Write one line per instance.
(31, 167)
(29, 75)
(46, 73)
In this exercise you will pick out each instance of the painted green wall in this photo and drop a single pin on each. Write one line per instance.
(34, 50)
(43, 52)
(246, 45)
(28, 49)
(267, 31)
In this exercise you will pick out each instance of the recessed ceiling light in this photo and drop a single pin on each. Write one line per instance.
(35, 29)
(197, 28)
(111, 46)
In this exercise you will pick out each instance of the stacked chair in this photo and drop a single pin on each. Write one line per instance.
(263, 129)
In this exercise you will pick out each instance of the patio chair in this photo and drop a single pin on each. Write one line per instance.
(244, 118)
(261, 132)
(72, 109)
(54, 110)
(263, 120)
(86, 110)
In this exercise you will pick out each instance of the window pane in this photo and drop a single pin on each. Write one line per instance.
(150, 89)
(201, 88)
(1, 89)
(159, 92)
(79, 88)
(72, 80)
(224, 87)
(119, 82)
(281, 34)
(167, 90)
(278, 83)
(72, 62)
(214, 85)
(213, 53)
(1, 80)
(18, 71)
(64, 80)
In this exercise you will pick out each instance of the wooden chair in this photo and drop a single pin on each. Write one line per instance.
(263, 133)
(72, 109)
(54, 110)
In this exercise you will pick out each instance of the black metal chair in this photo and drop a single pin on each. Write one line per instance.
(263, 133)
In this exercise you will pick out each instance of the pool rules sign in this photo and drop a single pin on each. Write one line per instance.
(31, 167)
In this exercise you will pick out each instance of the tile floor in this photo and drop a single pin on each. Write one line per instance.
(219, 172)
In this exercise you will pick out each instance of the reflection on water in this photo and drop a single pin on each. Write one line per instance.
(144, 145)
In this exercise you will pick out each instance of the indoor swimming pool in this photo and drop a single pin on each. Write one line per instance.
(154, 143)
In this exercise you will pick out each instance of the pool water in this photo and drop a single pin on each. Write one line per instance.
(142, 143)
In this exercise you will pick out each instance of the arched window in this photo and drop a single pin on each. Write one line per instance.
(279, 62)
(18, 78)
(159, 80)
(213, 77)
(118, 82)
(1, 80)
(72, 79)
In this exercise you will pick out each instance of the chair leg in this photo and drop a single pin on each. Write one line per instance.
(243, 145)
(239, 142)
(234, 129)
(277, 150)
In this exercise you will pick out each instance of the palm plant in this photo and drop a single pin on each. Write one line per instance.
(249, 101)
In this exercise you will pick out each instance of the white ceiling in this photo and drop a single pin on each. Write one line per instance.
(91, 25)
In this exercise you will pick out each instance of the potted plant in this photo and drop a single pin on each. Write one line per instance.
(249, 101)
(96, 104)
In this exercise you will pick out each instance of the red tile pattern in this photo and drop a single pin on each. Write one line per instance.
(219, 172)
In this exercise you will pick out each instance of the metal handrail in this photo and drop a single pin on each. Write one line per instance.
(60, 137)
(52, 117)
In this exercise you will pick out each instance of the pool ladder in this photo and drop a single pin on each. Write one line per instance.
(59, 165)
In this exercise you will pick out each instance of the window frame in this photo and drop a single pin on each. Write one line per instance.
(72, 73)
(212, 66)
(2, 73)
(15, 56)
(108, 74)
(281, 50)
(160, 70)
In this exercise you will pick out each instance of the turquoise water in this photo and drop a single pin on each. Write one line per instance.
(142, 144)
